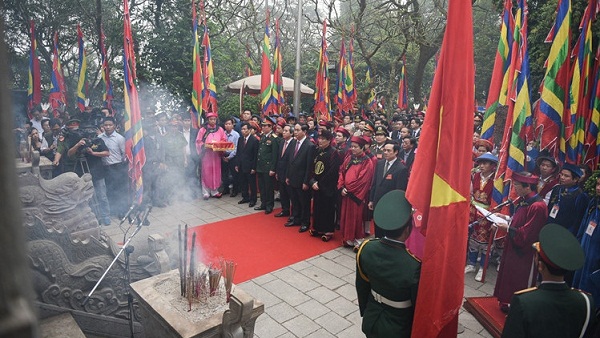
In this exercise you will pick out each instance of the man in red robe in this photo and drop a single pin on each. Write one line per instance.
(517, 268)
(354, 182)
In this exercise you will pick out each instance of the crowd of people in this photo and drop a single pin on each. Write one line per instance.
(327, 176)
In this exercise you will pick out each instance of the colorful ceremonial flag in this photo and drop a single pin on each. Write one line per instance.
(553, 114)
(340, 99)
(267, 101)
(134, 142)
(372, 101)
(322, 103)
(518, 126)
(403, 87)
(440, 188)
(499, 80)
(349, 83)
(593, 130)
(82, 83)
(197, 77)
(57, 96)
(278, 94)
(580, 86)
(209, 98)
(34, 86)
(249, 63)
(107, 95)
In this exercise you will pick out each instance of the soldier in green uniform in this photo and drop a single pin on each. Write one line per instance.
(552, 309)
(380, 138)
(265, 164)
(387, 274)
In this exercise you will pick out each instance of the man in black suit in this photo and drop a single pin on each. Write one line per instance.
(285, 151)
(407, 155)
(298, 176)
(245, 164)
(390, 174)
(191, 157)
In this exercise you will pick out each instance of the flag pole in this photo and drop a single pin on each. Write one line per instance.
(296, 108)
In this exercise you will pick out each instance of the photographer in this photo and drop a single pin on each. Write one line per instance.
(88, 152)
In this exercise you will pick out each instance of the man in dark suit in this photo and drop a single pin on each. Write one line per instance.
(390, 174)
(191, 157)
(552, 309)
(298, 176)
(245, 165)
(407, 155)
(284, 152)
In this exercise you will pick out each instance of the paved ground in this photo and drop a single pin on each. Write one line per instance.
(312, 298)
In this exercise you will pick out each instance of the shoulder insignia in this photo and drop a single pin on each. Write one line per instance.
(362, 275)
(582, 291)
(526, 290)
(274, 135)
(413, 255)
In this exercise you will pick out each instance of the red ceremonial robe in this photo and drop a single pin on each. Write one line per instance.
(517, 268)
(355, 175)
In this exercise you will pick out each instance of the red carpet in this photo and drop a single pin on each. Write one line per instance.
(258, 244)
(487, 312)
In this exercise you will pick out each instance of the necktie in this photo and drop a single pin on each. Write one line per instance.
(297, 147)
(386, 167)
(284, 147)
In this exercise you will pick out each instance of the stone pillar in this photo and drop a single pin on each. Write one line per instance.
(17, 317)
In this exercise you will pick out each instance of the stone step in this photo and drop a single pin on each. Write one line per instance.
(59, 326)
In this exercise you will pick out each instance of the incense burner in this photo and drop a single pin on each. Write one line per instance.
(164, 314)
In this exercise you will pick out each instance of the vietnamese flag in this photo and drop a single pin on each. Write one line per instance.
(439, 185)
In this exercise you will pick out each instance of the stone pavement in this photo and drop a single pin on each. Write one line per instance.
(312, 298)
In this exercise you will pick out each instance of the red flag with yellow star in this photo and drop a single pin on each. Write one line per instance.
(439, 184)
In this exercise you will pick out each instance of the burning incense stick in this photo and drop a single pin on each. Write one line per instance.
(181, 277)
(214, 277)
(228, 268)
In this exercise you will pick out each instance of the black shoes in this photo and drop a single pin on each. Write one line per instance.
(251, 204)
(291, 224)
(283, 214)
(303, 228)
(268, 211)
(260, 208)
(243, 201)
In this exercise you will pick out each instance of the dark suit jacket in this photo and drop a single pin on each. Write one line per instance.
(282, 161)
(299, 166)
(245, 157)
(396, 178)
(411, 158)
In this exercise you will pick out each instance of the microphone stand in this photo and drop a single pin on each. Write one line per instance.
(128, 249)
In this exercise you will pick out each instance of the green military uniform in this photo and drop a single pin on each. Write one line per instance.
(553, 309)
(266, 161)
(387, 275)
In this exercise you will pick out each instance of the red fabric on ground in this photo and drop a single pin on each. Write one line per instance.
(257, 243)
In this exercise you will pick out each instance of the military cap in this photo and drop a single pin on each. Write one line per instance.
(525, 177)
(487, 157)
(369, 126)
(343, 131)
(393, 211)
(73, 121)
(269, 120)
(577, 172)
(559, 248)
(380, 130)
(357, 118)
(358, 140)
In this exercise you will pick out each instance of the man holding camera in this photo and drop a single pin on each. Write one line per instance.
(88, 153)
